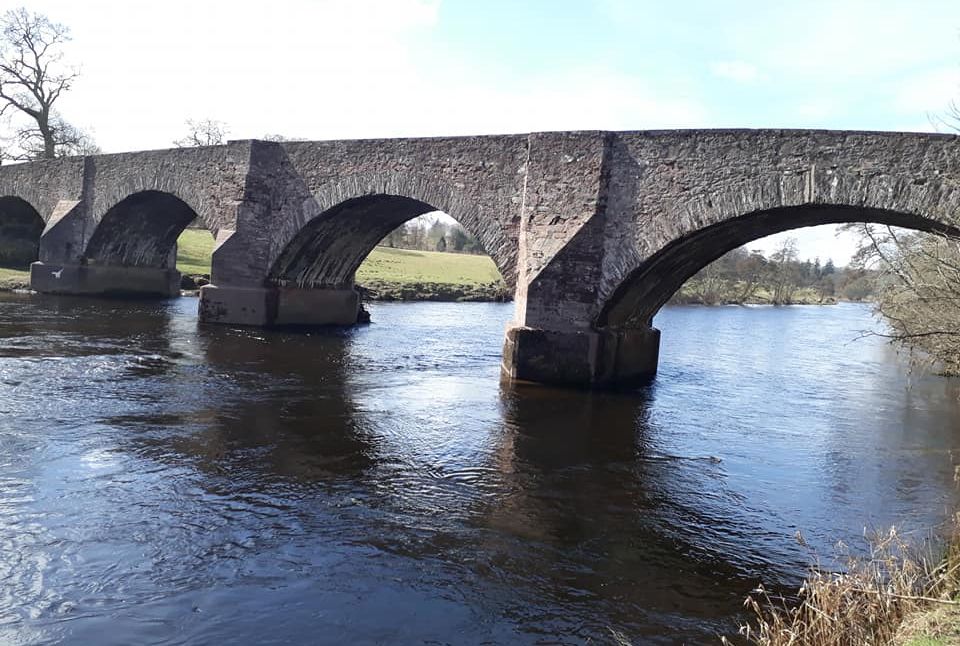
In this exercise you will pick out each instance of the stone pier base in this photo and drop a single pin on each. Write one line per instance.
(104, 280)
(278, 306)
(588, 359)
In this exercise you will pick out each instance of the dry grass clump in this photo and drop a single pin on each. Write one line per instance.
(863, 605)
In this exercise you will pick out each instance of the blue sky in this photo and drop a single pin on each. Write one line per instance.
(375, 68)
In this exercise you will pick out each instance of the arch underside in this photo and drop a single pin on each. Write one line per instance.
(20, 229)
(641, 295)
(329, 249)
(140, 231)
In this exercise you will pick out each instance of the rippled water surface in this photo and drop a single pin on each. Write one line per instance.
(162, 482)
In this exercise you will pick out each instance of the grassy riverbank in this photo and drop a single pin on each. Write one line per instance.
(194, 248)
(761, 296)
(402, 274)
(386, 274)
(14, 278)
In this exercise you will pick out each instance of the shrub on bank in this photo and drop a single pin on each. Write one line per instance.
(877, 599)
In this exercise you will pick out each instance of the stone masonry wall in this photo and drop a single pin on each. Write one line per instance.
(476, 180)
(211, 180)
(575, 219)
(668, 185)
(43, 184)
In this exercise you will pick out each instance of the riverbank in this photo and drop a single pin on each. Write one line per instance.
(806, 296)
(13, 279)
(939, 626)
(441, 292)
(902, 594)
(405, 275)
(387, 274)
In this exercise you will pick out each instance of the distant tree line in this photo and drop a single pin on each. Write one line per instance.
(424, 234)
(744, 276)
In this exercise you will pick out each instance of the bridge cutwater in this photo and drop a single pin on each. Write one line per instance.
(594, 231)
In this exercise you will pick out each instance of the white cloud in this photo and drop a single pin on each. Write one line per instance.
(930, 92)
(816, 109)
(293, 70)
(323, 70)
(826, 242)
(581, 99)
(738, 71)
(856, 38)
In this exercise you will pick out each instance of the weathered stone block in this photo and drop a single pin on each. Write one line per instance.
(277, 306)
(598, 359)
(317, 307)
(104, 280)
(237, 305)
(62, 238)
(548, 357)
(630, 357)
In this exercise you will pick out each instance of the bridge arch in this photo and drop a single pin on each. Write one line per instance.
(327, 250)
(21, 226)
(653, 282)
(704, 227)
(140, 230)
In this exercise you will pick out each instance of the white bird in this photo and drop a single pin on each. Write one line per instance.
(56, 274)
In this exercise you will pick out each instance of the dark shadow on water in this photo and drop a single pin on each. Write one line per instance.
(61, 326)
(603, 523)
(271, 405)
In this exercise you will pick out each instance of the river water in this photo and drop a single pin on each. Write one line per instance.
(162, 482)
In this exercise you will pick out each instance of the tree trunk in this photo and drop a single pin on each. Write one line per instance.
(49, 146)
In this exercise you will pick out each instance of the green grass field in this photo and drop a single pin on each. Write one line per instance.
(403, 266)
(194, 247)
(383, 265)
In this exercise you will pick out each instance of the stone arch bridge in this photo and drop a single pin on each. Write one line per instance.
(594, 231)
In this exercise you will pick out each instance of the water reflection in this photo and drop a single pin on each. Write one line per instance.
(603, 512)
(163, 482)
(269, 404)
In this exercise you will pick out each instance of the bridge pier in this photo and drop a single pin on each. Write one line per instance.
(106, 280)
(606, 358)
(278, 306)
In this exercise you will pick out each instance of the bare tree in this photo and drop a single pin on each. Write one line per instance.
(32, 78)
(920, 289)
(783, 272)
(280, 138)
(28, 144)
(919, 293)
(206, 132)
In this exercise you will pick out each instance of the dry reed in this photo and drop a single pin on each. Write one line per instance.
(865, 604)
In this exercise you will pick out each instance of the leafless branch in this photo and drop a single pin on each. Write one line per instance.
(32, 78)
(206, 132)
